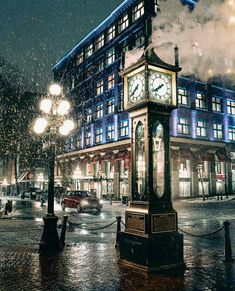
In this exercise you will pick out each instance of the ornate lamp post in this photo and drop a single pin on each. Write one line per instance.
(52, 125)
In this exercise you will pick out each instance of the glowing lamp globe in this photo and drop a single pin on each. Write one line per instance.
(55, 89)
(40, 125)
(66, 127)
(46, 105)
(63, 107)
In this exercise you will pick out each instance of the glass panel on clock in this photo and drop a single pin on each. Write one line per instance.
(158, 159)
(140, 161)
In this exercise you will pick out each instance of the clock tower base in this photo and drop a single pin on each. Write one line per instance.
(151, 241)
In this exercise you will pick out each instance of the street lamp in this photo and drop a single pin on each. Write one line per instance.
(53, 125)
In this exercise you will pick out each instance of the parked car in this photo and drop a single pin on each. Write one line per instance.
(30, 193)
(81, 200)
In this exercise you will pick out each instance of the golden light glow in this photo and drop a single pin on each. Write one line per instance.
(55, 89)
(40, 125)
(46, 105)
(63, 107)
(66, 127)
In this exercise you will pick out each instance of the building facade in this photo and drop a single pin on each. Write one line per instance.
(97, 157)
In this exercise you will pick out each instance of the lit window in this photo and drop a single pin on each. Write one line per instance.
(110, 56)
(138, 11)
(200, 100)
(183, 126)
(80, 58)
(100, 66)
(123, 23)
(231, 133)
(88, 115)
(218, 131)
(216, 104)
(231, 107)
(89, 51)
(183, 97)
(111, 79)
(123, 128)
(110, 132)
(99, 42)
(111, 33)
(98, 135)
(201, 129)
(110, 106)
(99, 87)
(88, 136)
(139, 39)
(99, 111)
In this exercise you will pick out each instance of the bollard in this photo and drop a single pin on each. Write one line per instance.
(227, 244)
(63, 231)
(118, 231)
(111, 200)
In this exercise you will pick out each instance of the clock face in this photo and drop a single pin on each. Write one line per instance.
(160, 86)
(136, 88)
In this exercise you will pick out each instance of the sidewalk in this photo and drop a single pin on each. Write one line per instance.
(90, 261)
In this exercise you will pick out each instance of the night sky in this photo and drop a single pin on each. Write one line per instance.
(35, 34)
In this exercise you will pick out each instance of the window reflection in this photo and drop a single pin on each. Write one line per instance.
(158, 159)
(140, 160)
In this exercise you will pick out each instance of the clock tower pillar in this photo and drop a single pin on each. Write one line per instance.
(151, 240)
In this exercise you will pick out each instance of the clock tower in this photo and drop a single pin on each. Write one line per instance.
(151, 240)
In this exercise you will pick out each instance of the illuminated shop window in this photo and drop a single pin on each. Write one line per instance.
(138, 11)
(110, 106)
(200, 101)
(111, 33)
(183, 126)
(99, 135)
(216, 104)
(123, 128)
(231, 107)
(218, 131)
(183, 97)
(110, 132)
(99, 111)
(201, 129)
(123, 23)
(99, 87)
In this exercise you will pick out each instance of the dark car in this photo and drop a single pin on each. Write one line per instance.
(81, 200)
(31, 193)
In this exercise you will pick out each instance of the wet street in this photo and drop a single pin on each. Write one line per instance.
(90, 259)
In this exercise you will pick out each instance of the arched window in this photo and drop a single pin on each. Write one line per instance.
(158, 159)
(140, 160)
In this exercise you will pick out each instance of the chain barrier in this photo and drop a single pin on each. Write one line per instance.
(201, 235)
(123, 223)
(73, 225)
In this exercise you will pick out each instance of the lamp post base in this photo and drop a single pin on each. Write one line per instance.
(50, 241)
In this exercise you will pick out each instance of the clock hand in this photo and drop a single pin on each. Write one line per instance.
(159, 87)
(136, 88)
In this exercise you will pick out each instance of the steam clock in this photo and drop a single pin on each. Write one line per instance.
(151, 240)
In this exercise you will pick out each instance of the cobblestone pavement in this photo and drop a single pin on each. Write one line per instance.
(90, 260)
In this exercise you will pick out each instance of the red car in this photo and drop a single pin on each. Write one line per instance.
(81, 200)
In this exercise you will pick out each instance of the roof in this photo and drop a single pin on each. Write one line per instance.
(95, 32)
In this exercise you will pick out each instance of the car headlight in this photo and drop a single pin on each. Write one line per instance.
(101, 201)
(84, 203)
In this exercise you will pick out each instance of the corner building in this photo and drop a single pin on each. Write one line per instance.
(97, 157)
